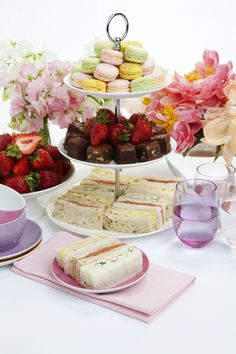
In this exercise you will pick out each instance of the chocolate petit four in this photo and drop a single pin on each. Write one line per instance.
(150, 150)
(164, 142)
(74, 129)
(125, 153)
(100, 154)
(77, 147)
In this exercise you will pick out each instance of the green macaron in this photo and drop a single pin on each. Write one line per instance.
(135, 54)
(144, 83)
(88, 64)
(100, 45)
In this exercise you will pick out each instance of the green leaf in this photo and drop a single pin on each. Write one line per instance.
(13, 151)
(32, 180)
(5, 95)
(218, 152)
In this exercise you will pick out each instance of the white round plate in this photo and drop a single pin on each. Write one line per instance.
(70, 283)
(114, 165)
(66, 178)
(117, 95)
(89, 232)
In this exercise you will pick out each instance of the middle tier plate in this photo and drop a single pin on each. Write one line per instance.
(112, 164)
(118, 95)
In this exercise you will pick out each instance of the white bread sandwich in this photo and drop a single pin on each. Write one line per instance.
(163, 188)
(86, 215)
(130, 221)
(109, 175)
(84, 247)
(100, 261)
(165, 205)
(112, 269)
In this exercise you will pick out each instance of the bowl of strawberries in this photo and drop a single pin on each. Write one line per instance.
(31, 167)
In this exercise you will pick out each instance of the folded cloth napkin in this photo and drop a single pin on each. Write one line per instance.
(142, 301)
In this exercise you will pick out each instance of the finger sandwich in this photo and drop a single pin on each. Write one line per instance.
(100, 262)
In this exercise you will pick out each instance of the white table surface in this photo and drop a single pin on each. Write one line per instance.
(36, 319)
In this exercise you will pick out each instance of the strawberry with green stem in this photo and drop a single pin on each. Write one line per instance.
(118, 133)
(142, 132)
(41, 160)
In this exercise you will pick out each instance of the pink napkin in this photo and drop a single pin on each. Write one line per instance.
(142, 301)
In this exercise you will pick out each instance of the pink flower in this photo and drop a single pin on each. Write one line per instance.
(183, 136)
(27, 72)
(58, 69)
(59, 99)
(63, 119)
(76, 100)
(17, 105)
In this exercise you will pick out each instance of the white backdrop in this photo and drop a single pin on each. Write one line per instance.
(174, 32)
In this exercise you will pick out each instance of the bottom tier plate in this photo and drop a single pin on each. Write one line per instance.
(89, 232)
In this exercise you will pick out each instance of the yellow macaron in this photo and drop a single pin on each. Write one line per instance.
(125, 44)
(130, 71)
(94, 85)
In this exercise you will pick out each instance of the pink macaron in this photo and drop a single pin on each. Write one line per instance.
(118, 85)
(148, 66)
(106, 72)
(111, 56)
(78, 78)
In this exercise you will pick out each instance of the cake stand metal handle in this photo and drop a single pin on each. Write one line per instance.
(117, 40)
(117, 185)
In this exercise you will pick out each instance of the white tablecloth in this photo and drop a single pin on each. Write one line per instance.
(36, 319)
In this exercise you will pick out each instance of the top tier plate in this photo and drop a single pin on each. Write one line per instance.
(117, 95)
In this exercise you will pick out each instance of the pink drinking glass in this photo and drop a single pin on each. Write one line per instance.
(195, 212)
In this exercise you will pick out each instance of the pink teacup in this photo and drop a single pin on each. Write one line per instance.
(10, 232)
(12, 204)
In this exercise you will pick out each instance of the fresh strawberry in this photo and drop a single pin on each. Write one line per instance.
(48, 179)
(5, 139)
(135, 117)
(22, 166)
(142, 132)
(22, 184)
(88, 124)
(53, 152)
(66, 166)
(42, 160)
(6, 164)
(58, 167)
(105, 116)
(98, 134)
(118, 133)
(27, 143)
(122, 120)
(24, 135)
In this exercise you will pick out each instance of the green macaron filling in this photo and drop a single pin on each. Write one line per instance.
(143, 84)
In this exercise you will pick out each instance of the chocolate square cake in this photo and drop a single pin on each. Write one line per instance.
(74, 129)
(76, 147)
(150, 150)
(100, 154)
(125, 153)
(164, 142)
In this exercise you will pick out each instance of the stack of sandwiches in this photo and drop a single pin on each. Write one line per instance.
(145, 204)
(100, 262)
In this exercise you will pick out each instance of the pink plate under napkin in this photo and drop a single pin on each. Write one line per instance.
(142, 301)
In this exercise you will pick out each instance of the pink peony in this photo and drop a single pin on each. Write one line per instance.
(183, 136)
